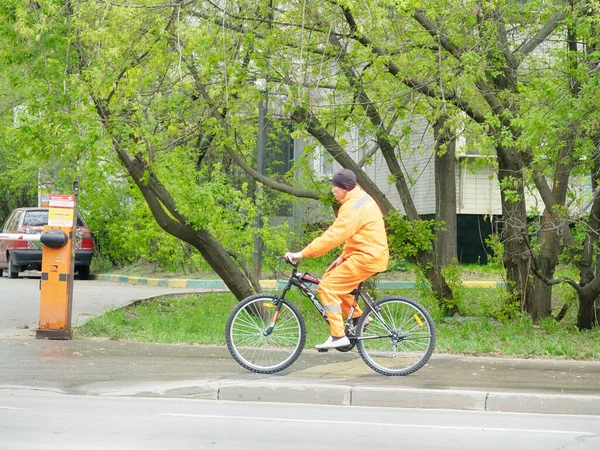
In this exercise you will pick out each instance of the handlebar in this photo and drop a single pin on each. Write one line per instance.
(291, 263)
(301, 276)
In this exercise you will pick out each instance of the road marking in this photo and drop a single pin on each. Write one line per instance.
(382, 424)
(13, 409)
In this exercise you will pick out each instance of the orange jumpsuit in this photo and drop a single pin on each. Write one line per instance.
(360, 225)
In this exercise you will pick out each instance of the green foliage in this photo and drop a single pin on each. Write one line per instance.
(407, 238)
(510, 187)
(502, 306)
(550, 325)
(493, 241)
(572, 255)
(177, 88)
(155, 114)
(452, 275)
(18, 182)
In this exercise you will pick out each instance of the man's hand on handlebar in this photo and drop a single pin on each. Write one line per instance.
(293, 257)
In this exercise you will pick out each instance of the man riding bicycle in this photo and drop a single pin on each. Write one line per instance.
(359, 224)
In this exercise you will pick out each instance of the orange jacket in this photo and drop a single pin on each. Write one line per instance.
(360, 225)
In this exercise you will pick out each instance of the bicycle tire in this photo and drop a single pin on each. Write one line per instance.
(258, 352)
(404, 350)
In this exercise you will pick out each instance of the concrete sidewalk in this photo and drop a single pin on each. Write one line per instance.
(94, 367)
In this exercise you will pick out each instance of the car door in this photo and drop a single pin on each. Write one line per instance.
(10, 226)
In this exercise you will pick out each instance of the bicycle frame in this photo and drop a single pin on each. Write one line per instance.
(266, 333)
(298, 279)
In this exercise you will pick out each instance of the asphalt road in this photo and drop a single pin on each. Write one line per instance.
(20, 301)
(45, 420)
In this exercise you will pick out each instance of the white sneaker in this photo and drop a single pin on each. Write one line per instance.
(332, 342)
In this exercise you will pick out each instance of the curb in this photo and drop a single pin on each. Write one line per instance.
(161, 282)
(266, 284)
(346, 395)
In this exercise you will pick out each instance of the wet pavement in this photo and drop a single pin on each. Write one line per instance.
(96, 367)
(20, 300)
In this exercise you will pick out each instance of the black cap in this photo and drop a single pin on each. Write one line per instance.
(344, 179)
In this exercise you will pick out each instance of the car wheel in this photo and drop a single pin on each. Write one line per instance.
(84, 272)
(13, 271)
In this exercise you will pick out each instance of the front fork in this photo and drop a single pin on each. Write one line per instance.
(277, 305)
(271, 326)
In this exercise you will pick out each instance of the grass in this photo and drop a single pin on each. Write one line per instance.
(520, 338)
(201, 319)
(193, 319)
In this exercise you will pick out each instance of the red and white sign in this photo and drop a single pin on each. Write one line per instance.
(61, 201)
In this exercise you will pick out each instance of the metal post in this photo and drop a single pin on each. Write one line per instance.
(263, 107)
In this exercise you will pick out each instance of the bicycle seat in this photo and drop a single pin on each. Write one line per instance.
(360, 285)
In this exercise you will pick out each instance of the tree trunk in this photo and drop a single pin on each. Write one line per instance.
(587, 296)
(588, 267)
(585, 313)
(551, 234)
(517, 255)
(176, 225)
(445, 193)
(539, 305)
(555, 224)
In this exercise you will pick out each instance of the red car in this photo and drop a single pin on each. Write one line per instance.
(19, 255)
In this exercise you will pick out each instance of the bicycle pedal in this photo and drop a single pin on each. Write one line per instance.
(322, 350)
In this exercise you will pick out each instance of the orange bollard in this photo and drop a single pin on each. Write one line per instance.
(56, 284)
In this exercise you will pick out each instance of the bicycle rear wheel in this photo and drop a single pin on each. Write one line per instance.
(401, 345)
(252, 346)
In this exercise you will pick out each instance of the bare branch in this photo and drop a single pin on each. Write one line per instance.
(541, 35)
(367, 155)
(556, 281)
(297, 192)
(487, 92)
(301, 115)
(160, 6)
(381, 133)
(419, 16)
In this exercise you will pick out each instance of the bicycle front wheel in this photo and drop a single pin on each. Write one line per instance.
(257, 348)
(400, 344)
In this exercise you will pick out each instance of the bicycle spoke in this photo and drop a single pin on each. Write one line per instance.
(410, 344)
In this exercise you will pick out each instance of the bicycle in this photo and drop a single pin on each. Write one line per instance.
(265, 333)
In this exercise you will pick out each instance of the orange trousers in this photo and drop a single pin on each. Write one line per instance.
(334, 290)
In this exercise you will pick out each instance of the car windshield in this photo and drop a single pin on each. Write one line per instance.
(35, 218)
(39, 218)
